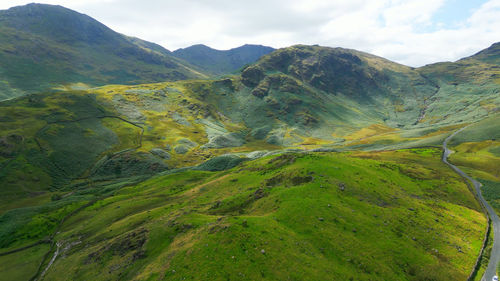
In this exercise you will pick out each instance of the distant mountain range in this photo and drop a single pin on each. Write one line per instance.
(221, 62)
(42, 46)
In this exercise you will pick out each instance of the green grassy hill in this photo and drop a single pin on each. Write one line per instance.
(364, 216)
(43, 46)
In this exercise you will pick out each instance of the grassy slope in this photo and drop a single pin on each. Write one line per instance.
(55, 144)
(22, 265)
(294, 209)
(478, 152)
(43, 46)
(50, 140)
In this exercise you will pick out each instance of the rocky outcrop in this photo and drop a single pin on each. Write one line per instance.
(160, 153)
(251, 76)
(226, 140)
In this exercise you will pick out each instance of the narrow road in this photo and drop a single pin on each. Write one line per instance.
(495, 221)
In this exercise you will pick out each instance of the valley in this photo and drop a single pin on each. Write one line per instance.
(301, 163)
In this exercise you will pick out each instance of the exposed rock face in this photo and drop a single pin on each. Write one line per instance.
(227, 140)
(129, 164)
(221, 163)
(251, 76)
(187, 142)
(277, 82)
(181, 149)
(226, 83)
(128, 109)
(260, 133)
(10, 144)
(184, 145)
(329, 69)
(160, 153)
(180, 119)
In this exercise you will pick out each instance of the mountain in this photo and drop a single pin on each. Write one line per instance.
(208, 179)
(43, 46)
(342, 76)
(488, 55)
(477, 69)
(300, 97)
(221, 62)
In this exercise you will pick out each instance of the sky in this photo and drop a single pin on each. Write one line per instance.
(411, 32)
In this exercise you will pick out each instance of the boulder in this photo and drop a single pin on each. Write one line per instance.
(181, 149)
(251, 76)
(187, 142)
(160, 153)
(221, 163)
(260, 133)
(226, 140)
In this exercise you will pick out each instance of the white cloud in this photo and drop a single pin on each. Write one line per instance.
(401, 30)
(410, 12)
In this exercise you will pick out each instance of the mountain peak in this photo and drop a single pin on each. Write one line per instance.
(45, 45)
(221, 61)
(57, 23)
(33, 7)
(490, 54)
(195, 47)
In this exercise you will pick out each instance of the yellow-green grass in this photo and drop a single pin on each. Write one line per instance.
(129, 134)
(370, 131)
(22, 265)
(485, 258)
(37, 199)
(161, 128)
(478, 156)
(381, 136)
(29, 168)
(24, 226)
(467, 70)
(477, 152)
(399, 215)
(482, 161)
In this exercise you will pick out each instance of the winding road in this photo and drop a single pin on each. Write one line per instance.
(495, 221)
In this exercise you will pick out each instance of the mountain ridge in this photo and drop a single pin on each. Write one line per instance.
(45, 45)
(222, 61)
